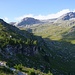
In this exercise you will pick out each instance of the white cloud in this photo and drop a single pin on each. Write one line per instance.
(6, 19)
(43, 17)
(50, 16)
(21, 17)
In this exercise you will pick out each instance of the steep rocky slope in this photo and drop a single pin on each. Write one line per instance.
(55, 52)
(20, 47)
(60, 39)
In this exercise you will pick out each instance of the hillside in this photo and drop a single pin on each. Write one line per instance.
(27, 21)
(54, 53)
(59, 37)
(20, 47)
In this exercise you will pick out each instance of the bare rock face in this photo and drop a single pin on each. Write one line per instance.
(10, 50)
(67, 16)
(27, 21)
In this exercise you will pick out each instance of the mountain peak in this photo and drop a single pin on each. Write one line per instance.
(28, 21)
(26, 18)
(67, 16)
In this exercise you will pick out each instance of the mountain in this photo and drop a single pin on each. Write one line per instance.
(54, 52)
(2, 22)
(67, 16)
(27, 21)
(18, 47)
(59, 37)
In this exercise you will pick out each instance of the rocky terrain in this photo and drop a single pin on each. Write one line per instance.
(27, 21)
(20, 47)
(59, 36)
(50, 50)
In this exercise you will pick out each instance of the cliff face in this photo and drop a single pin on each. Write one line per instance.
(10, 50)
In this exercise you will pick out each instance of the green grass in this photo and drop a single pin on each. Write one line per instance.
(30, 71)
(56, 51)
(22, 38)
(60, 40)
(53, 32)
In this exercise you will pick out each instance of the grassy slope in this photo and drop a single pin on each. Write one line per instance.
(20, 37)
(60, 41)
(56, 31)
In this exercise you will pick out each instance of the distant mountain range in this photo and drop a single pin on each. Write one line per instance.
(54, 52)
(67, 16)
(27, 21)
(31, 21)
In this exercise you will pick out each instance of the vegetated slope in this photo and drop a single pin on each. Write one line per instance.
(60, 39)
(20, 47)
(5, 71)
(59, 28)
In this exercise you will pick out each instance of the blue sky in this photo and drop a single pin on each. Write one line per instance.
(14, 10)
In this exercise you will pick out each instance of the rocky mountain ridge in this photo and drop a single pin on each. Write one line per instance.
(67, 16)
(27, 21)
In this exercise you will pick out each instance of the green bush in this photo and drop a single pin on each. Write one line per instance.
(31, 72)
(18, 67)
(35, 42)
